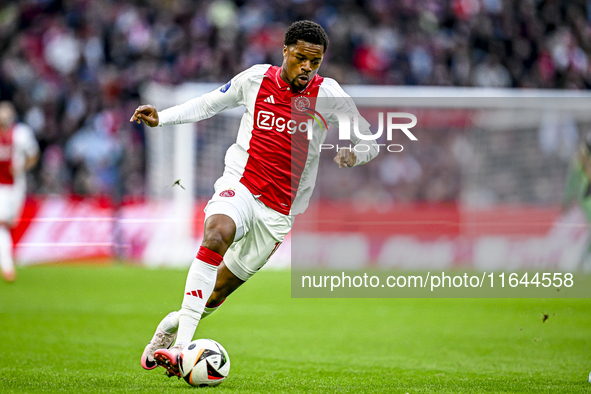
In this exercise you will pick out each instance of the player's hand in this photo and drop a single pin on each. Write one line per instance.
(345, 158)
(147, 114)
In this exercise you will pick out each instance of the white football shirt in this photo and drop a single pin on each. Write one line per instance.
(276, 156)
(16, 145)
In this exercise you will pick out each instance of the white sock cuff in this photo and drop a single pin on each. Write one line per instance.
(208, 266)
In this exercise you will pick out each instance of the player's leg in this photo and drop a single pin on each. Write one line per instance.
(11, 200)
(6, 260)
(248, 254)
(226, 282)
(227, 219)
(225, 285)
(166, 332)
(585, 263)
(246, 257)
(219, 234)
(241, 262)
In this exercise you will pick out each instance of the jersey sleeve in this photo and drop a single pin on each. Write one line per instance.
(26, 141)
(231, 95)
(341, 102)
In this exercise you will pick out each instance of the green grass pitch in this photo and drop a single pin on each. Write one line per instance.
(82, 329)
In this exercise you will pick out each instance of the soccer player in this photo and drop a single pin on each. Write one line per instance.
(19, 152)
(269, 175)
(578, 188)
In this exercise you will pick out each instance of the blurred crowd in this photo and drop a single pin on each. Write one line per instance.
(75, 68)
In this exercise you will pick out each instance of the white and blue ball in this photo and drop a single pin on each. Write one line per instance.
(204, 362)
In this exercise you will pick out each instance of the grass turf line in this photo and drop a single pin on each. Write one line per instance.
(82, 329)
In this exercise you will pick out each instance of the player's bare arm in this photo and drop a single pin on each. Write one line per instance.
(30, 162)
(345, 158)
(585, 160)
(146, 113)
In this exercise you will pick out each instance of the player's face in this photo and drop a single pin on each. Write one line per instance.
(7, 115)
(300, 63)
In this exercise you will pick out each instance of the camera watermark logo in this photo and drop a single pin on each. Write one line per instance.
(345, 125)
(392, 121)
(388, 123)
(364, 134)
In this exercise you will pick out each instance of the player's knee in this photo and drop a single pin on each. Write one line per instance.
(215, 241)
(219, 233)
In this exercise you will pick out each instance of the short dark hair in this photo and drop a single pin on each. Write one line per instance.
(306, 31)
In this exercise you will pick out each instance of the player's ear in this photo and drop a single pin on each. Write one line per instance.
(285, 52)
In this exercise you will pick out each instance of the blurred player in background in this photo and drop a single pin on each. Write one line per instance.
(269, 176)
(19, 152)
(578, 188)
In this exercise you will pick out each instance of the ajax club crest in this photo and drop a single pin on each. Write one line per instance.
(228, 193)
(302, 103)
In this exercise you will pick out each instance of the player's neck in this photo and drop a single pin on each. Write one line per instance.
(5, 129)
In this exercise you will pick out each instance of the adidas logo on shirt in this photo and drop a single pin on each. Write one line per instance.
(270, 99)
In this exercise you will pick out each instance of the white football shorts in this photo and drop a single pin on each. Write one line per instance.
(259, 229)
(12, 198)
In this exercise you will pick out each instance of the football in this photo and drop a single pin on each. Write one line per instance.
(204, 362)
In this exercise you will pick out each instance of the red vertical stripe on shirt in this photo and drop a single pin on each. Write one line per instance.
(6, 153)
(277, 155)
